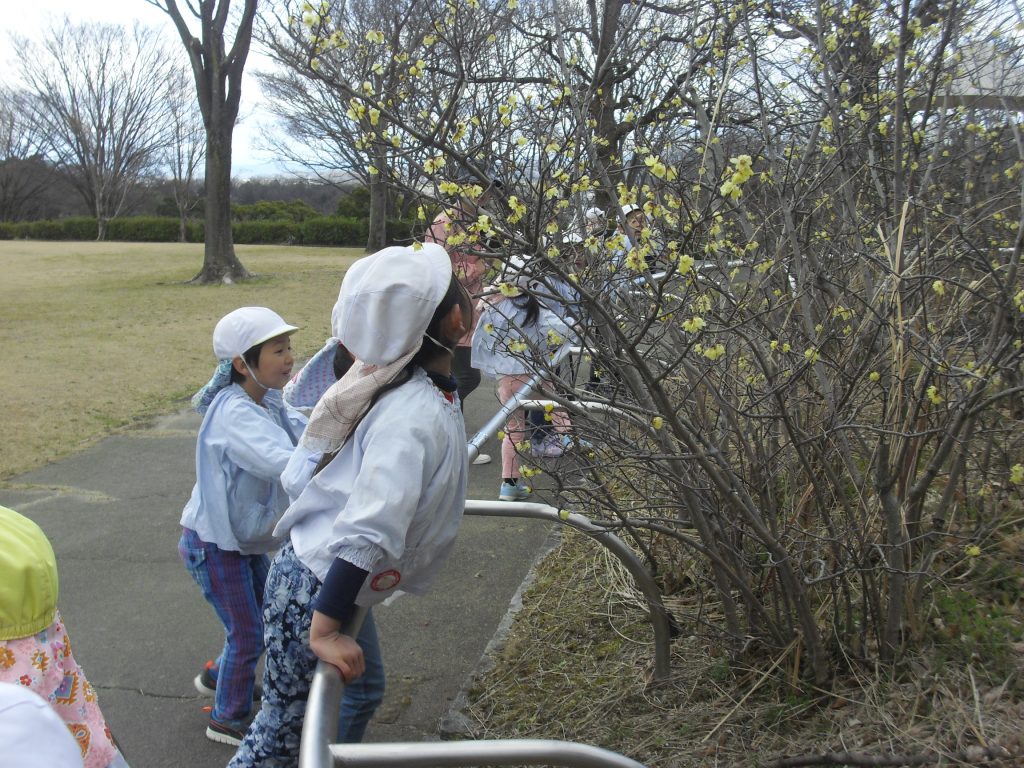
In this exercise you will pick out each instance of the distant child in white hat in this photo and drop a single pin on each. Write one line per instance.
(244, 443)
(382, 510)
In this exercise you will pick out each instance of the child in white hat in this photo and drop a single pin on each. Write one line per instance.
(382, 510)
(244, 443)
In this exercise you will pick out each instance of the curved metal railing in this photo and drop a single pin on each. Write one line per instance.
(321, 722)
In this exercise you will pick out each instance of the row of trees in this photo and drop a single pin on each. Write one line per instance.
(823, 391)
(102, 106)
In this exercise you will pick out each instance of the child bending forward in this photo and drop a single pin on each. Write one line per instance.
(513, 335)
(382, 511)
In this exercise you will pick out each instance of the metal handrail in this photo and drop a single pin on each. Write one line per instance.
(645, 581)
(474, 753)
(660, 620)
(320, 725)
(316, 749)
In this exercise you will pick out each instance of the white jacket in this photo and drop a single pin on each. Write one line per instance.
(392, 499)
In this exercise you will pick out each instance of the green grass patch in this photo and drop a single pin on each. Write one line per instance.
(101, 335)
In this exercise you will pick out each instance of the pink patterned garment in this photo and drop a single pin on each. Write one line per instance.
(43, 662)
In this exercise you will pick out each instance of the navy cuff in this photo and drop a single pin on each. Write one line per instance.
(337, 596)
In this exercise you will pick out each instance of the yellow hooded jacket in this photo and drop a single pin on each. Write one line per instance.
(28, 577)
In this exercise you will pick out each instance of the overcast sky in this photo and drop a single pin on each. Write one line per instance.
(29, 18)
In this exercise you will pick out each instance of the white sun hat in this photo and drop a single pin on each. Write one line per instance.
(628, 209)
(246, 327)
(387, 301)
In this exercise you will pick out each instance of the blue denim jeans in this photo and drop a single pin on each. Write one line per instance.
(233, 584)
(273, 738)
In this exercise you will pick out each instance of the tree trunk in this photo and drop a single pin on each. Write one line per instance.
(377, 234)
(220, 265)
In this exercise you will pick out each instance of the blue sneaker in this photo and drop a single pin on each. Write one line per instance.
(513, 491)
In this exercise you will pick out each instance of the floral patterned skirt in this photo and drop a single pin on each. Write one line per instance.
(43, 662)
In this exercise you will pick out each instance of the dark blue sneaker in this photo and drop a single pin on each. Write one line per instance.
(227, 731)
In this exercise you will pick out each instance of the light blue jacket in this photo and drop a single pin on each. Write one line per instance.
(241, 451)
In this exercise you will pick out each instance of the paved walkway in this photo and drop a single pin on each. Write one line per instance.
(141, 629)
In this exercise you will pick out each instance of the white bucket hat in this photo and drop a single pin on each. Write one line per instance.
(386, 303)
(387, 300)
(245, 328)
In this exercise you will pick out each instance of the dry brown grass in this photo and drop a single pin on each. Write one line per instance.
(577, 666)
(97, 336)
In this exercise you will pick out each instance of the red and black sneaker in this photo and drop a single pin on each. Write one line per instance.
(227, 731)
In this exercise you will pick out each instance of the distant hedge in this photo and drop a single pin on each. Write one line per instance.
(318, 230)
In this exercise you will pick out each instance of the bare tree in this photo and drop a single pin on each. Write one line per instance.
(25, 173)
(186, 144)
(217, 66)
(97, 102)
(318, 88)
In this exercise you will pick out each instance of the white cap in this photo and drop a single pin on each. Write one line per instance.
(387, 300)
(594, 214)
(33, 735)
(628, 209)
(245, 328)
(572, 238)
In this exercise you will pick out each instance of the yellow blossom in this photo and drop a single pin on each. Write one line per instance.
(694, 324)
(972, 550)
(874, 376)
(933, 394)
(508, 289)
(1017, 474)
(657, 422)
(939, 287)
(715, 352)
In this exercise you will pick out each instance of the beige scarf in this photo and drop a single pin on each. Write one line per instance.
(346, 402)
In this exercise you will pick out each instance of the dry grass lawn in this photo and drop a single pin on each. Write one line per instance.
(98, 336)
